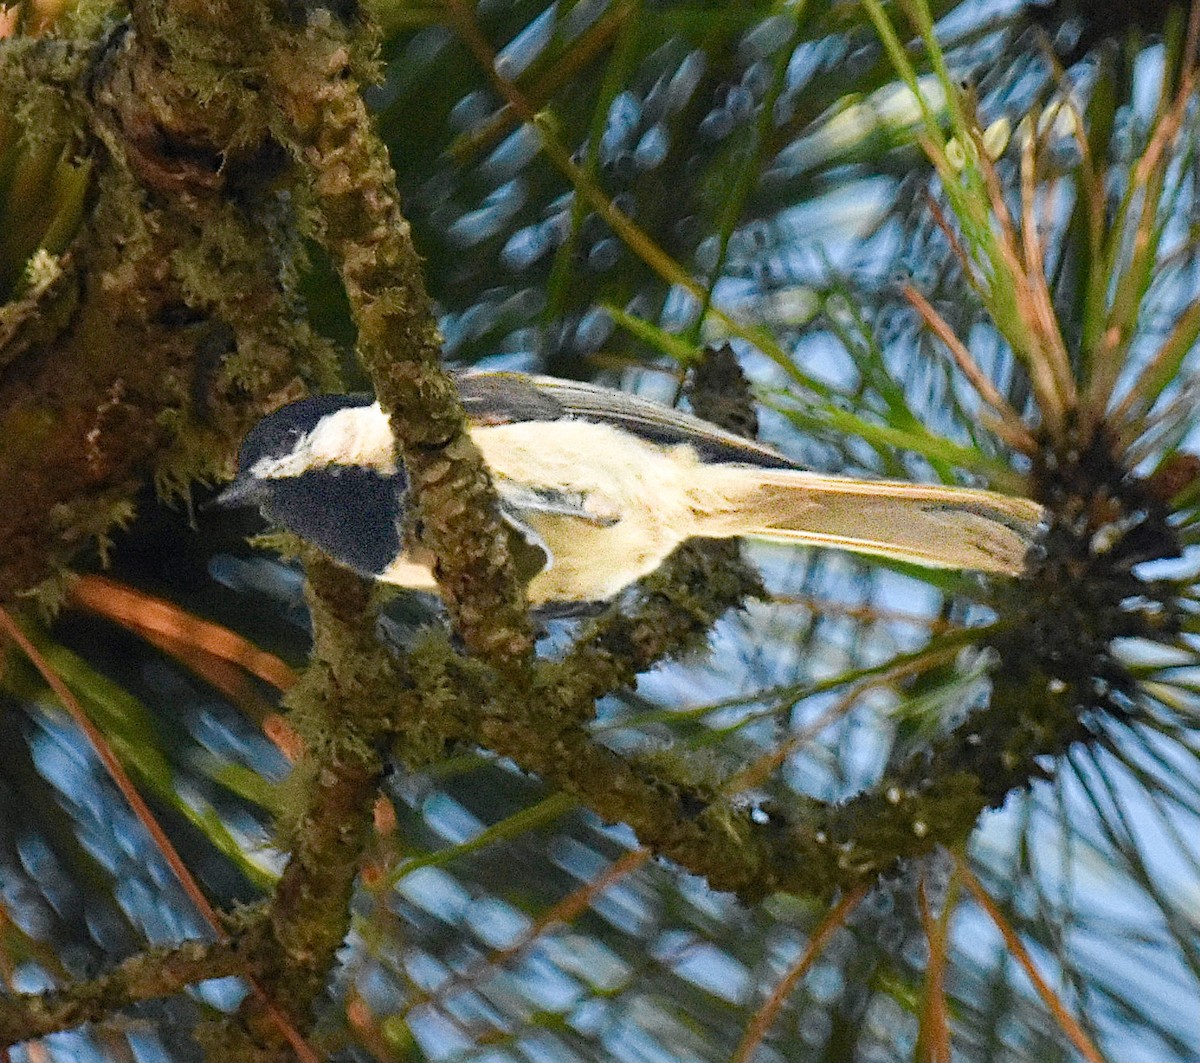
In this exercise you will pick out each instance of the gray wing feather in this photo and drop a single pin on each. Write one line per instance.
(525, 498)
(504, 398)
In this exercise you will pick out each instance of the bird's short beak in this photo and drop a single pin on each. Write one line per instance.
(244, 491)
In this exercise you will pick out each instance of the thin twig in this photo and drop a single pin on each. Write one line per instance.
(154, 973)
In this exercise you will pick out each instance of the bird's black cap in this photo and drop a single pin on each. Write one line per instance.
(275, 436)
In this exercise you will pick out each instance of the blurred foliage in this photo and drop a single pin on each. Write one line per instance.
(771, 173)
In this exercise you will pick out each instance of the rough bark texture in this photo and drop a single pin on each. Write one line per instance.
(171, 322)
(169, 328)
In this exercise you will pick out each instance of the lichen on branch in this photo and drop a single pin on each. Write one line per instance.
(324, 121)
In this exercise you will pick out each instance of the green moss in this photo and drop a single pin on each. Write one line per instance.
(27, 430)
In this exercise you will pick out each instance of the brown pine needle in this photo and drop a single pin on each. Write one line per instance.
(1010, 427)
(151, 616)
(1145, 390)
(573, 904)
(868, 613)
(1149, 174)
(757, 771)
(1146, 180)
(934, 1041)
(765, 1016)
(632, 235)
(1040, 307)
(1066, 1021)
(956, 247)
(563, 913)
(120, 778)
(1029, 347)
(1007, 241)
(114, 768)
(590, 44)
(220, 657)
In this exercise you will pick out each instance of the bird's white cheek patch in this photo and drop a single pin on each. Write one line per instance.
(359, 436)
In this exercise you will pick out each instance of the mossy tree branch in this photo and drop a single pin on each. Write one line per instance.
(309, 913)
(153, 973)
(354, 190)
(197, 115)
(173, 322)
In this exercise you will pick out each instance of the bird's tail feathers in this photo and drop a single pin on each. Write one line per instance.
(927, 524)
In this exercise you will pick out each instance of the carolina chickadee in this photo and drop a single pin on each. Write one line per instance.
(600, 486)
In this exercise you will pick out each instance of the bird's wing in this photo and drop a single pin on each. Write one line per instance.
(528, 498)
(504, 398)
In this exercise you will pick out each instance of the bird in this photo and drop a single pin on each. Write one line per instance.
(597, 487)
